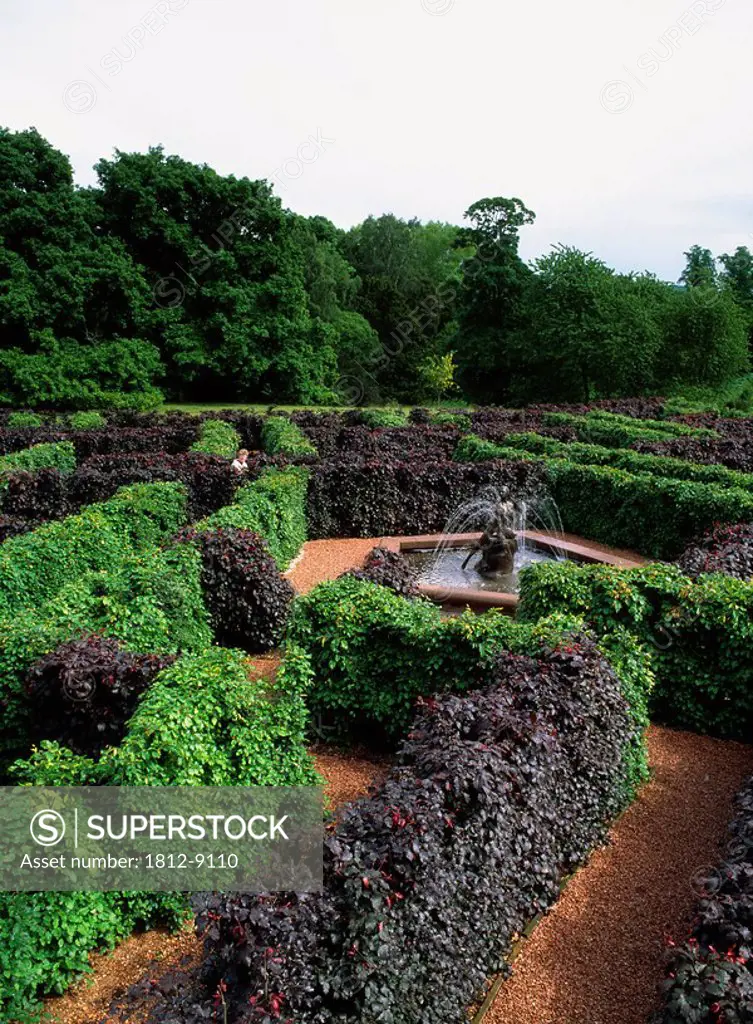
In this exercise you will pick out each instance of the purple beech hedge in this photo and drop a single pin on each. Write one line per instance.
(497, 795)
(361, 497)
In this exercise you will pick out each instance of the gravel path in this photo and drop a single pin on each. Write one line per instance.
(327, 559)
(598, 957)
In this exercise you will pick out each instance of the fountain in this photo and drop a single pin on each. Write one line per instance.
(500, 552)
(488, 541)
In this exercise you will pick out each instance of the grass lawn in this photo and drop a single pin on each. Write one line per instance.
(263, 407)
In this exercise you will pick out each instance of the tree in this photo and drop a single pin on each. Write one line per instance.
(700, 269)
(65, 290)
(705, 343)
(491, 300)
(438, 374)
(737, 277)
(409, 279)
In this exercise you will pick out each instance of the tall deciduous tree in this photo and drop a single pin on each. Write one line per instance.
(409, 280)
(700, 269)
(492, 300)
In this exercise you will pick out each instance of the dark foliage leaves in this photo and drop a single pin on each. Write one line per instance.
(85, 691)
(381, 497)
(247, 598)
(497, 795)
(727, 549)
(389, 569)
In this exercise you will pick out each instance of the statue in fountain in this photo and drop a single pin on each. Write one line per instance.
(498, 544)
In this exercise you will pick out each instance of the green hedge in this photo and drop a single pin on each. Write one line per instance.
(279, 436)
(374, 653)
(383, 418)
(151, 603)
(33, 567)
(205, 722)
(451, 419)
(657, 516)
(216, 437)
(46, 938)
(274, 506)
(472, 449)
(60, 455)
(699, 634)
(24, 421)
(91, 420)
(614, 431)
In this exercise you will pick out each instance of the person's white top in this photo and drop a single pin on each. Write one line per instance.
(239, 467)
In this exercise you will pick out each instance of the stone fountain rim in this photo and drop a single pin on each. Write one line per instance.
(579, 550)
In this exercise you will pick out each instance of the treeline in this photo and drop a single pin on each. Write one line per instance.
(168, 277)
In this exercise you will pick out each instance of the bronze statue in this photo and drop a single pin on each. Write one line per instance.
(498, 545)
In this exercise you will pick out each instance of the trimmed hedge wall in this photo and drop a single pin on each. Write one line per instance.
(699, 634)
(209, 478)
(60, 455)
(217, 438)
(247, 598)
(382, 497)
(35, 566)
(274, 506)
(473, 449)
(84, 692)
(375, 653)
(279, 436)
(204, 721)
(655, 515)
(150, 602)
(497, 795)
(615, 431)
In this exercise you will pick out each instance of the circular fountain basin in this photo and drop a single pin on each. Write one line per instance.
(443, 567)
(481, 593)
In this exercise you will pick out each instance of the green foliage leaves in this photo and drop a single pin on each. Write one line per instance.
(699, 634)
(37, 565)
(217, 438)
(118, 374)
(473, 449)
(279, 436)
(87, 421)
(379, 419)
(206, 722)
(47, 937)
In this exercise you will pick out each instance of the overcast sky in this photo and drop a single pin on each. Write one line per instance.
(625, 124)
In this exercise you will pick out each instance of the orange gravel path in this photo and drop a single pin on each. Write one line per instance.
(327, 559)
(598, 957)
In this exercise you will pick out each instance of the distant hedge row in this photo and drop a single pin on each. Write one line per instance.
(655, 515)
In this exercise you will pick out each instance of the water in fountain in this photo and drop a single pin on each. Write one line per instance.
(443, 564)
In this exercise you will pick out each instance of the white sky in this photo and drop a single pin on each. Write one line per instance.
(432, 104)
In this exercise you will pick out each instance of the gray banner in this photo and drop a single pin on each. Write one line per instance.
(154, 838)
